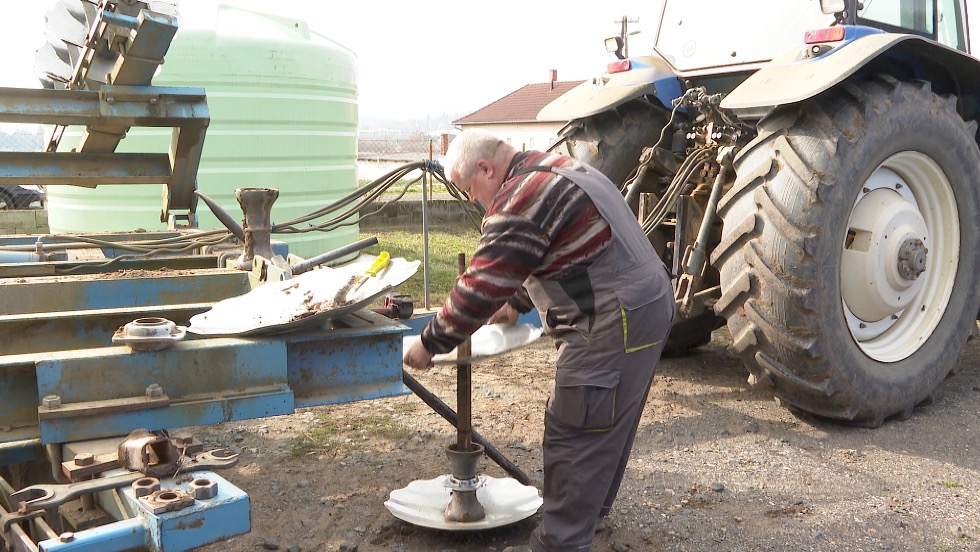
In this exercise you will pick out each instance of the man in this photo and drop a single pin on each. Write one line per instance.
(558, 236)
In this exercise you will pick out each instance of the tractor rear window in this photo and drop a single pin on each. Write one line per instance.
(916, 16)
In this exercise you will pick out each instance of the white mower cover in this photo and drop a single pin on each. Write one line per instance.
(305, 300)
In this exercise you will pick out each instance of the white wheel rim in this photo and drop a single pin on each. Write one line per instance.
(891, 307)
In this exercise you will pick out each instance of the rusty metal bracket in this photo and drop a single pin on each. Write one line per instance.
(166, 500)
(20, 516)
(150, 453)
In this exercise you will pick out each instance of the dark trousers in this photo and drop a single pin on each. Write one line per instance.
(583, 469)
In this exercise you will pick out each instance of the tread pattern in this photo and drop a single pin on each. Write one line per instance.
(770, 251)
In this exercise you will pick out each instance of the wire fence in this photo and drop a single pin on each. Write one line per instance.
(396, 145)
(380, 151)
(21, 138)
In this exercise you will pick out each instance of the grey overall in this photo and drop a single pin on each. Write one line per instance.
(609, 324)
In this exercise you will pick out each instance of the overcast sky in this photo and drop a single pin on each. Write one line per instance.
(418, 58)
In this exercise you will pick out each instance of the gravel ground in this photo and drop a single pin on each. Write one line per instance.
(718, 465)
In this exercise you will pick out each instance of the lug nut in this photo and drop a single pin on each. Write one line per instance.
(154, 391)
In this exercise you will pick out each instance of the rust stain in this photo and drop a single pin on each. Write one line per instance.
(196, 524)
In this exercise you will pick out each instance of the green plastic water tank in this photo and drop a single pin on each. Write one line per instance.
(283, 104)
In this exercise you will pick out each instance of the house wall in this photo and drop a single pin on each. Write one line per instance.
(523, 136)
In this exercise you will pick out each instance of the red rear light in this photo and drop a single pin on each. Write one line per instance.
(618, 66)
(830, 34)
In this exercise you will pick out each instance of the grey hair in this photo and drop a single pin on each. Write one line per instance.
(466, 149)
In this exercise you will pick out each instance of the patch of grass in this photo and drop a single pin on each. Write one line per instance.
(333, 436)
(403, 407)
(445, 244)
(949, 484)
(317, 438)
(376, 425)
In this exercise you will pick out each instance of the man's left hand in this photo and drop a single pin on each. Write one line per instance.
(505, 315)
(417, 356)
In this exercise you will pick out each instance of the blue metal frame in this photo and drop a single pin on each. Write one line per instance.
(205, 381)
(205, 522)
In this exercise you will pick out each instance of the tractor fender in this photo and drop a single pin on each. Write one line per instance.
(648, 75)
(791, 78)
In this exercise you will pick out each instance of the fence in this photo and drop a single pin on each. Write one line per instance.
(380, 151)
(16, 137)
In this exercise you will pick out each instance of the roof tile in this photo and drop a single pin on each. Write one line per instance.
(520, 106)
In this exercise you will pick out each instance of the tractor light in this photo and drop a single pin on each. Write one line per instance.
(620, 66)
(830, 34)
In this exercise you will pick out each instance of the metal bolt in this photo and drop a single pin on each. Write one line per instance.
(866, 190)
(66, 537)
(84, 459)
(898, 186)
(51, 401)
(154, 391)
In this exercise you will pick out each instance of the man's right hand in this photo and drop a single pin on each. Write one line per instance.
(417, 356)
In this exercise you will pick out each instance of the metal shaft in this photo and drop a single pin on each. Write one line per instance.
(464, 399)
(223, 216)
(309, 264)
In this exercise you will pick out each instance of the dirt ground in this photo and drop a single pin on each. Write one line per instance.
(717, 466)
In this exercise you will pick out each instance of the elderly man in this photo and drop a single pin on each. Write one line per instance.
(558, 236)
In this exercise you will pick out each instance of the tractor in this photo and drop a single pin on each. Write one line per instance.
(810, 171)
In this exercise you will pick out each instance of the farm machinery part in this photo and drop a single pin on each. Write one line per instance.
(99, 359)
(75, 387)
(475, 501)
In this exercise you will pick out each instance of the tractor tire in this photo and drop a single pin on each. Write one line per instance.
(612, 142)
(829, 297)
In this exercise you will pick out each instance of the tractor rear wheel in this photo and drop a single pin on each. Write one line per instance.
(848, 258)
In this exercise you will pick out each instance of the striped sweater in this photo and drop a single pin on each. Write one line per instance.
(540, 224)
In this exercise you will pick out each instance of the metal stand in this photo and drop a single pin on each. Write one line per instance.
(464, 455)
(476, 501)
(257, 203)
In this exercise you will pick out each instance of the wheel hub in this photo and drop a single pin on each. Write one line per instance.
(884, 255)
(912, 259)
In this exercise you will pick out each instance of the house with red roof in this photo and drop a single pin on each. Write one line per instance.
(514, 117)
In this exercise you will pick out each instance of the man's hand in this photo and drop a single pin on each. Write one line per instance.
(505, 315)
(417, 356)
